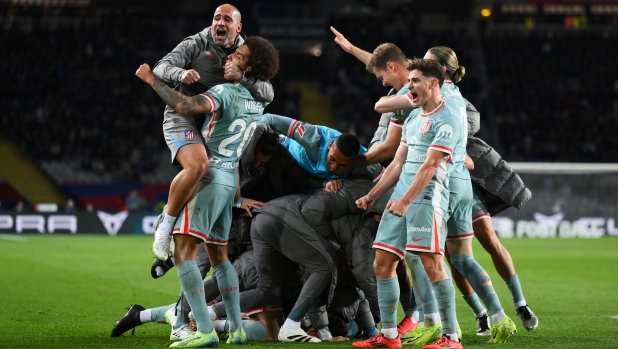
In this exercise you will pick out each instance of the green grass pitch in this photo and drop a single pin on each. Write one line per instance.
(67, 292)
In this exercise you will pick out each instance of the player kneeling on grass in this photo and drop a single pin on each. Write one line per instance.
(207, 216)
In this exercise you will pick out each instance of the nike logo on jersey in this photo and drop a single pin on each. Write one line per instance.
(479, 210)
(417, 239)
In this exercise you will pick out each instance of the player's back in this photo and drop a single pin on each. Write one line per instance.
(229, 127)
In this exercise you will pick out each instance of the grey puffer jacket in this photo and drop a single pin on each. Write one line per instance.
(287, 211)
(500, 185)
(335, 214)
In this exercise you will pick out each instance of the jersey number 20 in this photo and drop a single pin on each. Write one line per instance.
(241, 125)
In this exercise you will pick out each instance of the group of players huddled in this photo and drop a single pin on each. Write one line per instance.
(325, 229)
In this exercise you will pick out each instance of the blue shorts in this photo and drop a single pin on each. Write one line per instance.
(479, 209)
(460, 209)
(208, 214)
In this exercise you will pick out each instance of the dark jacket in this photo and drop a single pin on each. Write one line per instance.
(287, 211)
(335, 214)
(500, 185)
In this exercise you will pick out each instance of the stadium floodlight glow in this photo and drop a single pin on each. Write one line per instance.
(485, 12)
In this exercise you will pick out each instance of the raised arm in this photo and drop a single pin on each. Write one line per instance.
(382, 151)
(177, 101)
(171, 68)
(361, 55)
(391, 104)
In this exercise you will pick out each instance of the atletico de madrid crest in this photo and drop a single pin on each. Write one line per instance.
(189, 134)
(425, 127)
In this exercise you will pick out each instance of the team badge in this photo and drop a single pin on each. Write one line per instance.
(300, 130)
(189, 134)
(425, 127)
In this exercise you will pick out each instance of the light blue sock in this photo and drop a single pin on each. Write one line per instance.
(228, 285)
(478, 279)
(422, 285)
(445, 297)
(191, 281)
(474, 303)
(419, 306)
(515, 287)
(158, 314)
(388, 296)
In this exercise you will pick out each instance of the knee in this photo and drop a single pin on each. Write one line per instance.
(197, 168)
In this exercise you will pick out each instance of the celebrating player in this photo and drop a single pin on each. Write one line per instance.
(196, 65)
(232, 117)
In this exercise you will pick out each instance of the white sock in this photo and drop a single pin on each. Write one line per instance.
(480, 314)
(290, 324)
(211, 312)
(432, 319)
(421, 323)
(521, 303)
(453, 336)
(498, 317)
(145, 316)
(325, 334)
(219, 325)
(414, 316)
(390, 333)
(168, 223)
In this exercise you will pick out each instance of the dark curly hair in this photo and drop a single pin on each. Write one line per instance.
(268, 143)
(264, 58)
(429, 69)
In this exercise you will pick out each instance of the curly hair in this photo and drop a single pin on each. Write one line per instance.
(447, 57)
(429, 68)
(264, 58)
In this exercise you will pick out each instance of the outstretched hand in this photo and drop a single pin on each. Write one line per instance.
(342, 41)
(145, 74)
(249, 204)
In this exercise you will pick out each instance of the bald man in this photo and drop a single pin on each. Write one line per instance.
(194, 66)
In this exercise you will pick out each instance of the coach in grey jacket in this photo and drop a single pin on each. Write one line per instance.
(195, 65)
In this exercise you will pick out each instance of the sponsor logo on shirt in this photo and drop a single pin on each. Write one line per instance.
(445, 131)
(420, 229)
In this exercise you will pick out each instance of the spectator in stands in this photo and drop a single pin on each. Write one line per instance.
(89, 207)
(70, 206)
(20, 207)
(135, 202)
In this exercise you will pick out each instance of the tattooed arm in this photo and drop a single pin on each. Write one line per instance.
(180, 103)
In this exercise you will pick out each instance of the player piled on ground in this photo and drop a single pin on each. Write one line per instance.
(232, 115)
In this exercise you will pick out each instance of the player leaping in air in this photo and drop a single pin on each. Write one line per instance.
(232, 116)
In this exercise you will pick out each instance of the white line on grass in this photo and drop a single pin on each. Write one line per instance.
(11, 237)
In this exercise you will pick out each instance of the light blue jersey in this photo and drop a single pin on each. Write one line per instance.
(438, 130)
(229, 127)
(308, 144)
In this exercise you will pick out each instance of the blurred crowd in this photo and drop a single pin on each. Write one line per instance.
(555, 99)
(71, 94)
